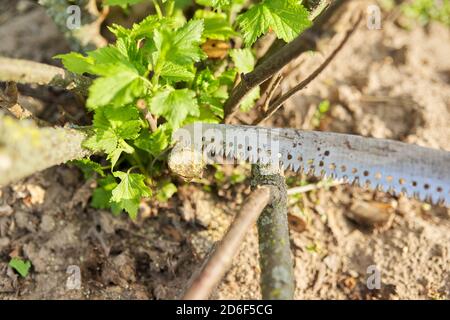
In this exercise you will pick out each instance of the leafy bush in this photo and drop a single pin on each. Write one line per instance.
(428, 10)
(162, 73)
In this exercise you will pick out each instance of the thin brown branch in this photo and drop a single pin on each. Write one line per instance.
(221, 258)
(305, 42)
(30, 72)
(274, 83)
(152, 120)
(279, 102)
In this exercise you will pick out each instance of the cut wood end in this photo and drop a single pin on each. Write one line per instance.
(186, 162)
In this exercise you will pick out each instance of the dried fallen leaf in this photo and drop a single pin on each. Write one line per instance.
(296, 223)
(216, 49)
(370, 213)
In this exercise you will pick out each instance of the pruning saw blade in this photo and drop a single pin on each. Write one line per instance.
(389, 166)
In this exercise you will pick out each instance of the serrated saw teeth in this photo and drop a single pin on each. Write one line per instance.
(378, 164)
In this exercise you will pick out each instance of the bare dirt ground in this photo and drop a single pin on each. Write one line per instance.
(389, 83)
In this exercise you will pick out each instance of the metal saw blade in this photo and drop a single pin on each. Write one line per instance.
(386, 165)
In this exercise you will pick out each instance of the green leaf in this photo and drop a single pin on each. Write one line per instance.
(102, 194)
(139, 30)
(121, 71)
(112, 126)
(131, 186)
(172, 53)
(121, 2)
(249, 101)
(121, 88)
(217, 26)
(217, 4)
(166, 190)
(174, 72)
(22, 267)
(88, 167)
(155, 142)
(174, 105)
(128, 193)
(243, 59)
(185, 43)
(287, 18)
(75, 62)
(212, 92)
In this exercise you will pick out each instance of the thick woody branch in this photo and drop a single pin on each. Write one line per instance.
(305, 42)
(25, 148)
(30, 72)
(222, 256)
(277, 273)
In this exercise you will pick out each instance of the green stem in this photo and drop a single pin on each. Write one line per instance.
(139, 163)
(157, 8)
(170, 6)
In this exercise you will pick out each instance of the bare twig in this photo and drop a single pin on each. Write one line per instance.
(273, 85)
(279, 102)
(303, 43)
(30, 72)
(277, 273)
(152, 120)
(221, 258)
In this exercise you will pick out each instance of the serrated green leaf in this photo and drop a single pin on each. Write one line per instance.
(186, 42)
(217, 4)
(142, 29)
(101, 195)
(76, 62)
(174, 72)
(287, 18)
(172, 53)
(243, 59)
(174, 105)
(112, 126)
(22, 267)
(155, 142)
(165, 191)
(128, 193)
(123, 87)
(107, 57)
(131, 206)
(121, 71)
(208, 114)
(217, 26)
(88, 167)
(121, 2)
(131, 186)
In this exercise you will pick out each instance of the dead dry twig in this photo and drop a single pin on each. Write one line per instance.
(221, 258)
